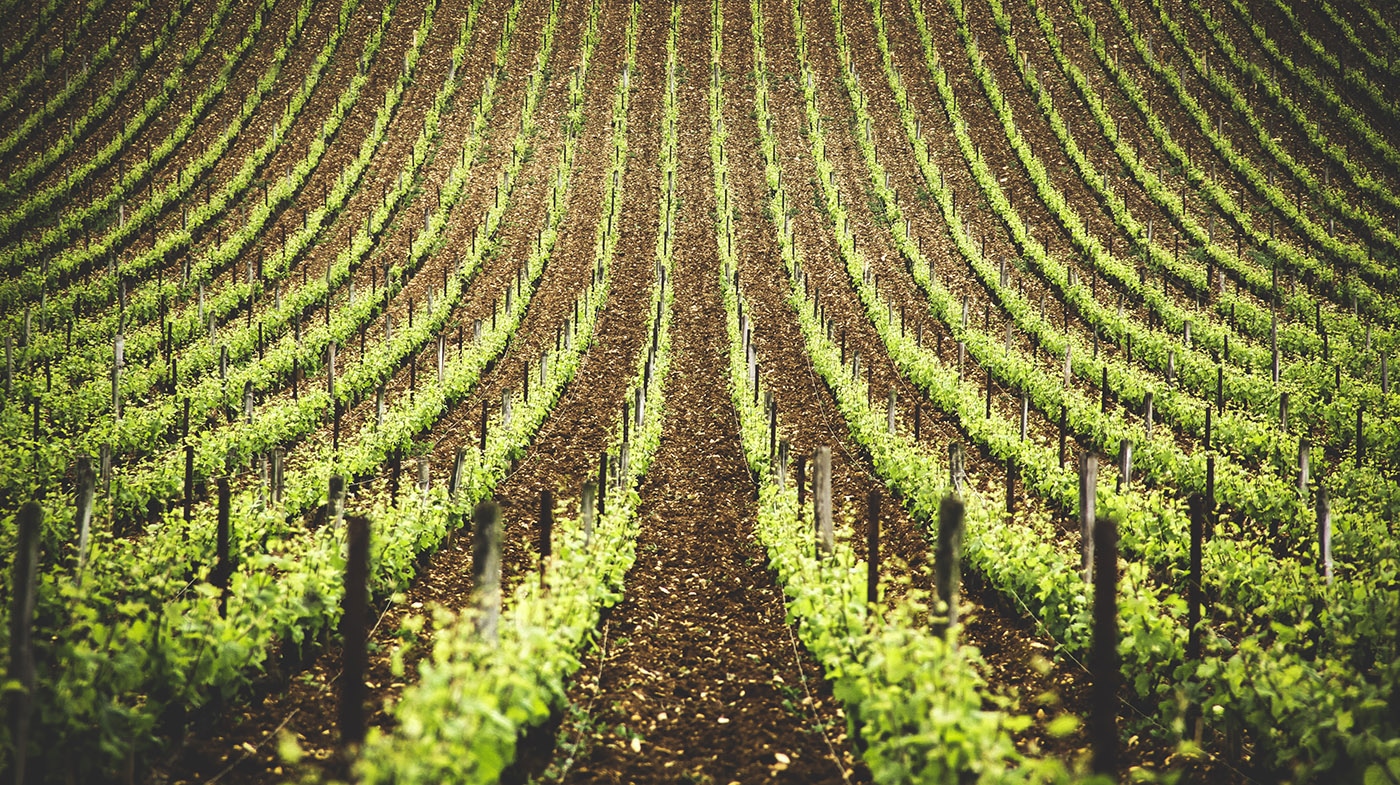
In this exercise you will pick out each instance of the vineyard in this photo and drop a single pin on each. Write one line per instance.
(705, 391)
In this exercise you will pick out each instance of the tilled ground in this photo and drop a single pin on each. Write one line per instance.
(699, 677)
(698, 674)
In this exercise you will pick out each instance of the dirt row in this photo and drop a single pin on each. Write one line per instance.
(525, 216)
(305, 705)
(53, 33)
(345, 144)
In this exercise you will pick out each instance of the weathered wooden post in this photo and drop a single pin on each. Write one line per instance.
(1103, 654)
(486, 568)
(118, 363)
(587, 511)
(278, 479)
(483, 426)
(1324, 534)
(1010, 486)
(335, 500)
(957, 472)
(546, 531)
(25, 577)
(1088, 491)
(1125, 464)
(1210, 494)
(780, 469)
(821, 495)
(83, 505)
(354, 631)
(454, 480)
(946, 567)
(1273, 345)
(602, 483)
(1025, 415)
(223, 569)
(1283, 411)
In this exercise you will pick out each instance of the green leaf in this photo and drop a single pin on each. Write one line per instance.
(1062, 726)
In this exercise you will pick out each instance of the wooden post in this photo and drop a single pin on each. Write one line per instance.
(872, 547)
(335, 500)
(957, 471)
(780, 468)
(223, 570)
(946, 568)
(1147, 413)
(25, 576)
(821, 495)
(486, 568)
(1324, 534)
(1283, 411)
(1010, 487)
(602, 483)
(918, 417)
(1220, 389)
(1088, 491)
(278, 480)
(354, 631)
(1103, 654)
(1273, 342)
(1025, 415)
(546, 530)
(1210, 495)
(483, 426)
(118, 362)
(454, 481)
(83, 504)
(587, 511)
(1197, 506)
(1125, 464)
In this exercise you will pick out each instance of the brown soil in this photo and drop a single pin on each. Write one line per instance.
(241, 741)
(699, 678)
